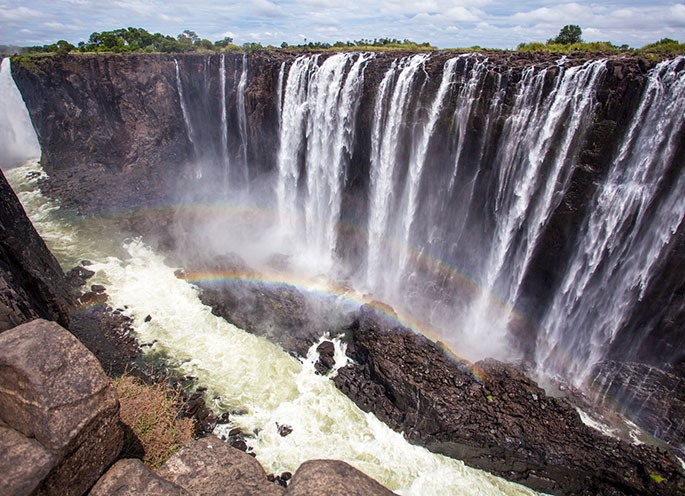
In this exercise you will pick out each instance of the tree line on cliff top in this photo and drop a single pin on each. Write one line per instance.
(132, 39)
(139, 40)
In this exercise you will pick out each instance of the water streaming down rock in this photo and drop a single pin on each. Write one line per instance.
(317, 131)
(391, 103)
(513, 142)
(634, 219)
(540, 142)
(224, 122)
(279, 93)
(19, 138)
(242, 120)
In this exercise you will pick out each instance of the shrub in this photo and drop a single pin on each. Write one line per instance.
(592, 47)
(665, 46)
(152, 414)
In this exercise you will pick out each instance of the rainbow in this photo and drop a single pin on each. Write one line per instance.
(329, 290)
(236, 212)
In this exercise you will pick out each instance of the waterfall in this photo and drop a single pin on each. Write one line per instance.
(387, 123)
(469, 94)
(224, 123)
(186, 117)
(19, 140)
(634, 217)
(417, 161)
(439, 183)
(458, 167)
(279, 93)
(242, 120)
(292, 128)
(535, 164)
(317, 132)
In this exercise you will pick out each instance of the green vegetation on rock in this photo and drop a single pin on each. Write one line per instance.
(125, 40)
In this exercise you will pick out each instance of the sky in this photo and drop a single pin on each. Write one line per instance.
(443, 23)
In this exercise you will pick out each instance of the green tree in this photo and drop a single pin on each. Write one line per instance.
(188, 37)
(224, 42)
(64, 47)
(569, 34)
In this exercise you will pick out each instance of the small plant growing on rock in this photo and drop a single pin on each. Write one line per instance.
(151, 414)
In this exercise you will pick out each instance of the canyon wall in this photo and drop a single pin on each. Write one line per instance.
(532, 201)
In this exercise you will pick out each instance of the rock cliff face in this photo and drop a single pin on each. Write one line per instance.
(136, 131)
(112, 127)
(491, 416)
(32, 283)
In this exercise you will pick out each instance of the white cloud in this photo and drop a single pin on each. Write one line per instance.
(169, 18)
(19, 14)
(677, 13)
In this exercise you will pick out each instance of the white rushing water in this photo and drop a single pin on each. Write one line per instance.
(318, 120)
(534, 168)
(388, 119)
(629, 224)
(242, 121)
(245, 372)
(19, 142)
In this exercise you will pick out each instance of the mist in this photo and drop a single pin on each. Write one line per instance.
(20, 143)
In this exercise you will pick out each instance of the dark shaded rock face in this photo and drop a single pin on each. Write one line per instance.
(280, 312)
(32, 283)
(492, 416)
(106, 126)
(112, 129)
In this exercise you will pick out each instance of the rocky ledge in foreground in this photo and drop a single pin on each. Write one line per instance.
(493, 417)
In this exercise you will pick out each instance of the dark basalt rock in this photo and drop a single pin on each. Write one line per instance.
(108, 334)
(326, 359)
(32, 283)
(278, 311)
(493, 417)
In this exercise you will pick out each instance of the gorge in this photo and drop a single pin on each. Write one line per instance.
(515, 206)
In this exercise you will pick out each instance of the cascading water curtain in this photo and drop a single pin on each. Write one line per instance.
(634, 216)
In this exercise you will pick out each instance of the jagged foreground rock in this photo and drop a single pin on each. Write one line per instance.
(130, 477)
(493, 417)
(209, 467)
(60, 430)
(205, 466)
(59, 408)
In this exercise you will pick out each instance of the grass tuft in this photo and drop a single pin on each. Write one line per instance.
(152, 415)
